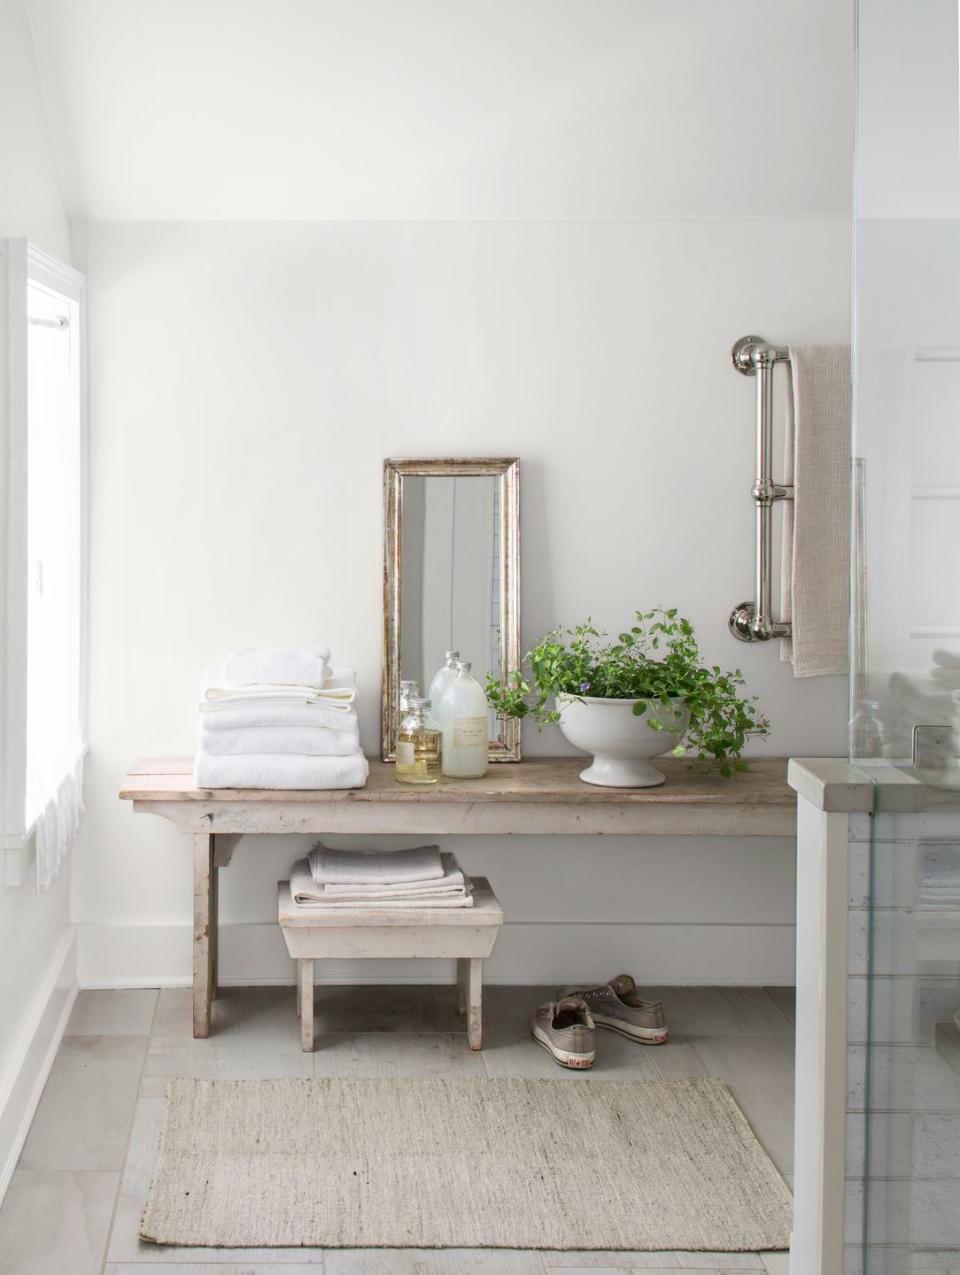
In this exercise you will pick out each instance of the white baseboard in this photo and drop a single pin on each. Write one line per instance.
(526, 952)
(33, 1053)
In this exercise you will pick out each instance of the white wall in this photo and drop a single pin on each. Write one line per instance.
(36, 938)
(272, 109)
(30, 199)
(247, 381)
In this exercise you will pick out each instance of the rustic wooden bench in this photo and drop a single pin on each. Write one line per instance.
(543, 796)
(465, 934)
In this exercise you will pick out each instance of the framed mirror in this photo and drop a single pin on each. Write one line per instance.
(451, 580)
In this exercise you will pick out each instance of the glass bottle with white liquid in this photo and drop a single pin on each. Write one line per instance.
(466, 729)
(441, 681)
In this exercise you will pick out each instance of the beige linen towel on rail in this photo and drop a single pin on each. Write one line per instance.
(816, 526)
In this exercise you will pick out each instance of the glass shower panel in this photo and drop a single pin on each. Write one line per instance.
(903, 1191)
(904, 1031)
(906, 597)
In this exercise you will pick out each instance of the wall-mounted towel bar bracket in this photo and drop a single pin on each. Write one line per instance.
(753, 621)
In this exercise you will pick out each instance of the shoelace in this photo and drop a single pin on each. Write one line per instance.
(596, 993)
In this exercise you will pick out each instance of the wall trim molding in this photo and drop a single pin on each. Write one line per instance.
(33, 1053)
(547, 952)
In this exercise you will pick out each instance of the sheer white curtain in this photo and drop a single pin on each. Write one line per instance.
(55, 680)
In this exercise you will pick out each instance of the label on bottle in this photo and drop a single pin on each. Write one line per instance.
(406, 754)
(469, 731)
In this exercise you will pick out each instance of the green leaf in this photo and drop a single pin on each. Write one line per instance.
(657, 660)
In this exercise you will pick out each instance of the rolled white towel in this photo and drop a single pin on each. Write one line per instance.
(311, 741)
(279, 771)
(227, 716)
(340, 676)
(305, 892)
(946, 659)
(284, 665)
(354, 868)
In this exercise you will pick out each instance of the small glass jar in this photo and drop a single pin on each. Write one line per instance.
(866, 731)
(408, 692)
(419, 746)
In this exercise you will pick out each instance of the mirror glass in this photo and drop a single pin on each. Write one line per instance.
(450, 585)
(451, 579)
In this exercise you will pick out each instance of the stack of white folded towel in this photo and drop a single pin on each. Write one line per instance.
(281, 717)
(345, 880)
(930, 696)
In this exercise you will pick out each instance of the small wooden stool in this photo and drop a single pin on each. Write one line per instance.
(468, 934)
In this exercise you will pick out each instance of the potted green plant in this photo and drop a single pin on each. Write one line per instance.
(632, 699)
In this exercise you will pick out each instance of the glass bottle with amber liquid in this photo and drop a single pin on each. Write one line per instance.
(419, 747)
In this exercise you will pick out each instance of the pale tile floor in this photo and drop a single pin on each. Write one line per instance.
(74, 1204)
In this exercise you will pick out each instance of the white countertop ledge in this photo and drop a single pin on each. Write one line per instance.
(833, 785)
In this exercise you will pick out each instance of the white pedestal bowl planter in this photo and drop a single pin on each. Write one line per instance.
(621, 742)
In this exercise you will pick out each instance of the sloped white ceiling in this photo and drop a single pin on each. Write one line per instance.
(316, 109)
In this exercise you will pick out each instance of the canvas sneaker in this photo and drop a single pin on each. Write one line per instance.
(565, 1029)
(619, 1007)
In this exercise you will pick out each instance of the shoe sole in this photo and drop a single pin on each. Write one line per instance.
(576, 1062)
(641, 1035)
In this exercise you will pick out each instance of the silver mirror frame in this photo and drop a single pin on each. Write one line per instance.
(507, 746)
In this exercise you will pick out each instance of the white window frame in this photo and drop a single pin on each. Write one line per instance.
(21, 263)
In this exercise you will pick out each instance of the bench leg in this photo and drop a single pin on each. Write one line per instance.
(463, 978)
(214, 930)
(204, 924)
(474, 1002)
(305, 988)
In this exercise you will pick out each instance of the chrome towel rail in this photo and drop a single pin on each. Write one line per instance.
(753, 621)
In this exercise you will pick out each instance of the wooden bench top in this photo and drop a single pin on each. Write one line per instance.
(541, 795)
(486, 910)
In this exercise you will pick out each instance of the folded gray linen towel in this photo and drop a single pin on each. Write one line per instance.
(374, 867)
(451, 883)
(816, 523)
(307, 894)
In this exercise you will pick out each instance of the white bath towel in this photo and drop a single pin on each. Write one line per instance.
(338, 691)
(286, 665)
(375, 867)
(305, 892)
(286, 771)
(340, 697)
(816, 528)
(312, 741)
(226, 716)
(452, 882)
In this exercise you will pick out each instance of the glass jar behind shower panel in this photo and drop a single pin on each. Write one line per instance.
(466, 727)
(441, 681)
(419, 746)
(866, 730)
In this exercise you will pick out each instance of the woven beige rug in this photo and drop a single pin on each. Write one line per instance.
(560, 1164)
